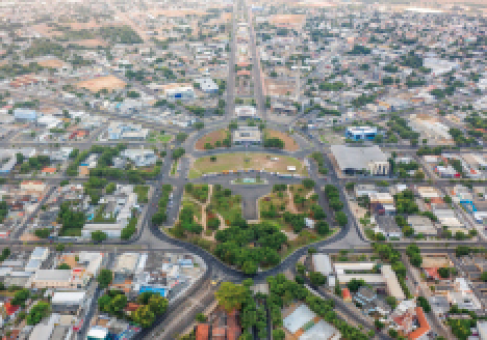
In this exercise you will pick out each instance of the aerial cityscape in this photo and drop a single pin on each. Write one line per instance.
(243, 170)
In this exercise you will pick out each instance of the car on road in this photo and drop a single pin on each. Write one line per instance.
(215, 281)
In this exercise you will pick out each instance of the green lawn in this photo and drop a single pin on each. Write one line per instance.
(70, 232)
(159, 138)
(142, 192)
(174, 167)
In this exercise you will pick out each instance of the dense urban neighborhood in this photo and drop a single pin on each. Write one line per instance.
(243, 170)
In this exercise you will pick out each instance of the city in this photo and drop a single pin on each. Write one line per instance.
(243, 170)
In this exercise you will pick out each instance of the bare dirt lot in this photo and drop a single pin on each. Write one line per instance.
(212, 138)
(288, 19)
(45, 30)
(278, 88)
(91, 43)
(178, 13)
(109, 82)
(289, 143)
(52, 63)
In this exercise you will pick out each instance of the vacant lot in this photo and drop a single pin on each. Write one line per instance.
(288, 19)
(52, 63)
(90, 43)
(177, 13)
(279, 87)
(241, 160)
(212, 138)
(109, 82)
(289, 143)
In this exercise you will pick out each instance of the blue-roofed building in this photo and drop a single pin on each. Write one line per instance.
(161, 290)
(358, 133)
(25, 115)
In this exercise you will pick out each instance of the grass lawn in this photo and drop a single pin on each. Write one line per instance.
(159, 138)
(196, 208)
(305, 237)
(70, 232)
(142, 192)
(244, 160)
(174, 167)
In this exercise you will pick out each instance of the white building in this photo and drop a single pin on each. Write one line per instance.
(140, 157)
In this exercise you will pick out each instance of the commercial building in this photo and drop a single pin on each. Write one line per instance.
(358, 133)
(112, 230)
(247, 135)
(361, 160)
(246, 112)
(322, 264)
(140, 157)
(304, 324)
(117, 131)
(180, 93)
(207, 85)
(25, 115)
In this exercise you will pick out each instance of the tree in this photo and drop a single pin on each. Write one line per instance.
(317, 278)
(198, 125)
(391, 301)
(444, 272)
(144, 317)
(42, 233)
(110, 188)
(64, 266)
(447, 199)
(416, 260)
(158, 304)
(20, 297)
(341, 218)
(278, 334)
(37, 313)
(322, 227)
(231, 296)
(355, 284)
(104, 303)
(104, 278)
(117, 304)
(423, 303)
(181, 137)
(200, 317)
(483, 276)
(308, 183)
(350, 186)
(98, 236)
(158, 218)
(59, 247)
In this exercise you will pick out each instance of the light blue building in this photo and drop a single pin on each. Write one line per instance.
(358, 133)
(157, 289)
(25, 115)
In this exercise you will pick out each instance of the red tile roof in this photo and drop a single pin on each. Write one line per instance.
(202, 331)
(424, 326)
(11, 309)
(346, 294)
(433, 273)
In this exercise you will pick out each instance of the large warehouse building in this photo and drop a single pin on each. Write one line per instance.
(361, 160)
